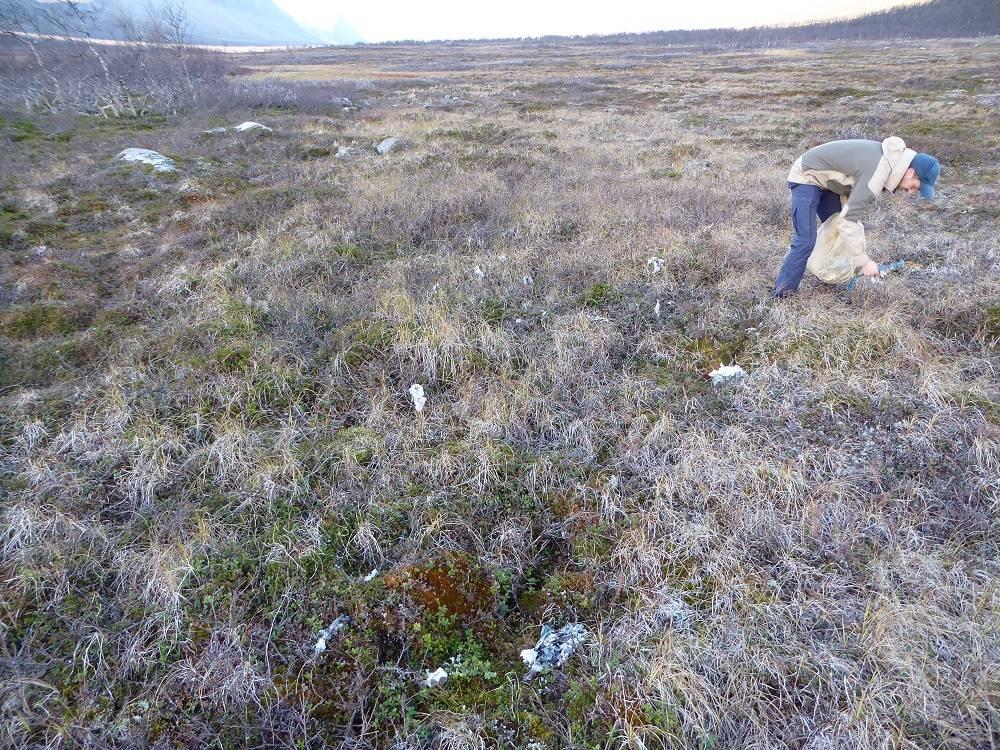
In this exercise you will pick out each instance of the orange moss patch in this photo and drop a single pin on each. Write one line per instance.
(454, 583)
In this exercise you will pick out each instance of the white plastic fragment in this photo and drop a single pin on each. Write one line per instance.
(417, 394)
(436, 678)
(215, 131)
(553, 648)
(371, 576)
(656, 264)
(725, 372)
(527, 280)
(480, 274)
(250, 125)
(656, 309)
(327, 634)
(158, 161)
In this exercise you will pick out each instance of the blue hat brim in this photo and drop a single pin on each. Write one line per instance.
(926, 190)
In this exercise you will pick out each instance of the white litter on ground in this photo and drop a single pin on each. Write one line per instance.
(250, 125)
(656, 264)
(553, 648)
(371, 576)
(436, 678)
(480, 274)
(726, 372)
(215, 131)
(158, 161)
(327, 634)
(417, 394)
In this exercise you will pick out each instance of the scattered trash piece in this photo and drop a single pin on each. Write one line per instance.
(553, 648)
(656, 264)
(527, 280)
(371, 576)
(216, 131)
(502, 257)
(480, 274)
(158, 161)
(347, 152)
(883, 269)
(336, 628)
(250, 125)
(726, 372)
(417, 394)
(387, 145)
(656, 309)
(436, 678)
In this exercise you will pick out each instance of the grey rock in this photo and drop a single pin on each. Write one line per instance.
(387, 145)
(250, 125)
(158, 161)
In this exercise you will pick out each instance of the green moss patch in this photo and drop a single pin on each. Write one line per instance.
(43, 320)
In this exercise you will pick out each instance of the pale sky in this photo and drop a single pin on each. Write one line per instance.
(386, 20)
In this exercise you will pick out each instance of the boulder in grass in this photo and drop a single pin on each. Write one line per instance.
(348, 152)
(250, 125)
(387, 145)
(156, 160)
(216, 131)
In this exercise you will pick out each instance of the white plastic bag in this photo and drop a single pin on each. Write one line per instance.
(832, 260)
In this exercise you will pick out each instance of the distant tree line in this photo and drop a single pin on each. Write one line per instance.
(934, 19)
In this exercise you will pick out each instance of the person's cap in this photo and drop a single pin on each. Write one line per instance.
(927, 168)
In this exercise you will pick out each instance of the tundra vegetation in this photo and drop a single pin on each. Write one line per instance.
(209, 451)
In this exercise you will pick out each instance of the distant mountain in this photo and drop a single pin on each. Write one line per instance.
(341, 32)
(229, 22)
(927, 20)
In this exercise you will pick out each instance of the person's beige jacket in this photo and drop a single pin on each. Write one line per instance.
(859, 170)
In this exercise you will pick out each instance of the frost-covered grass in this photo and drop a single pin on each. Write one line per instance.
(210, 449)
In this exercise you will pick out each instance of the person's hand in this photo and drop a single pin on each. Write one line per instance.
(870, 269)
